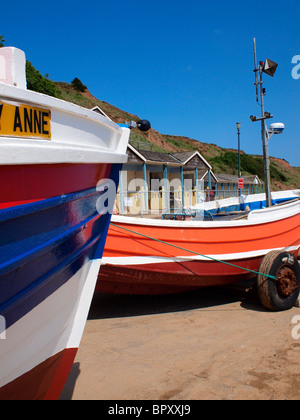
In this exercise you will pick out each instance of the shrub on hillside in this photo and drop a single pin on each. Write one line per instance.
(38, 83)
(78, 85)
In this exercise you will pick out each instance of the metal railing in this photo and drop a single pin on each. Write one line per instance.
(142, 203)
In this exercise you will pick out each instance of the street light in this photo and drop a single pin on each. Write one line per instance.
(238, 126)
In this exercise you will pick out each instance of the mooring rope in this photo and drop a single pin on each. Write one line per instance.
(193, 252)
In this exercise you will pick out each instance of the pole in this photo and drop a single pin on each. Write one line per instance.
(239, 152)
(264, 135)
(255, 68)
(238, 125)
(264, 138)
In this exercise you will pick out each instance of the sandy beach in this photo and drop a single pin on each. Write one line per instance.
(215, 344)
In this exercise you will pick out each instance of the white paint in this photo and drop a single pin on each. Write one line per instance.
(78, 135)
(12, 67)
(256, 217)
(55, 324)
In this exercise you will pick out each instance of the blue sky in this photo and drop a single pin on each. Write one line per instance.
(186, 66)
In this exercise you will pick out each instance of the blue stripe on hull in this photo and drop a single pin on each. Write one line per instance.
(43, 244)
(253, 205)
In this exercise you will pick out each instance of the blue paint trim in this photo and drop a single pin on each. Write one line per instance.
(24, 301)
(47, 221)
(182, 186)
(25, 209)
(43, 244)
(253, 205)
(145, 187)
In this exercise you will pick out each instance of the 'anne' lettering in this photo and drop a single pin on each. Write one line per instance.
(31, 121)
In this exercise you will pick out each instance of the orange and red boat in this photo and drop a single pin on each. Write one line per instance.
(148, 256)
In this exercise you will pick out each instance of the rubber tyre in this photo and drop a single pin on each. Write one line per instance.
(268, 291)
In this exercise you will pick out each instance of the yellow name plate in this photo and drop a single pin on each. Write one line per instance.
(24, 121)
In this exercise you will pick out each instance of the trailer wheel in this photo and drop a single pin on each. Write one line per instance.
(280, 294)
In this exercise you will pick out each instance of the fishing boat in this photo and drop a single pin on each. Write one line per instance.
(151, 256)
(213, 245)
(57, 161)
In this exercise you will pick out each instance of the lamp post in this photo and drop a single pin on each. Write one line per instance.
(238, 126)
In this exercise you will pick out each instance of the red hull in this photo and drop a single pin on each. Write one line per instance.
(172, 277)
(149, 257)
(54, 373)
(46, 181)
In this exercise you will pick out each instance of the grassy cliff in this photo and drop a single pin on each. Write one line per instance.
(222, 160)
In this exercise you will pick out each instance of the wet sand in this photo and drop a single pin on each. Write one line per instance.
(215, 344)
